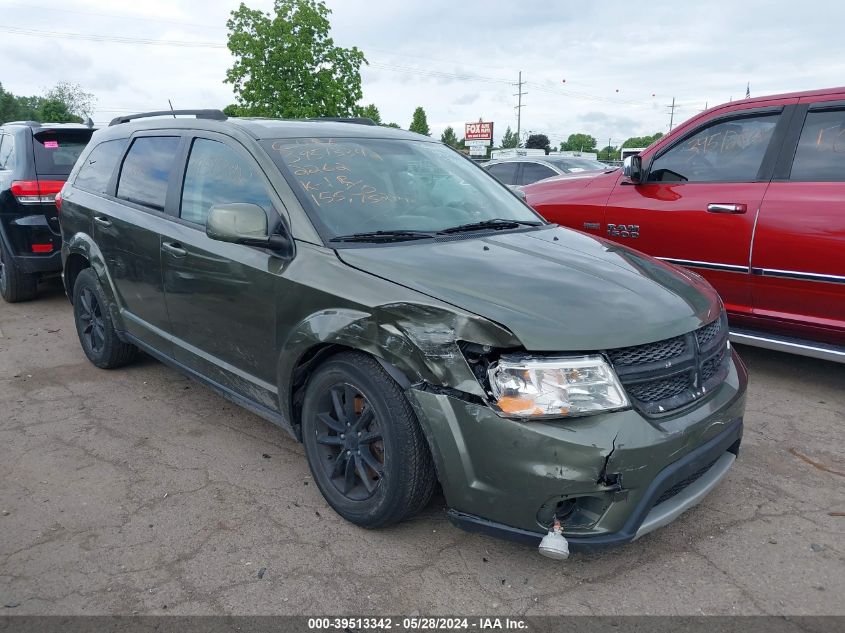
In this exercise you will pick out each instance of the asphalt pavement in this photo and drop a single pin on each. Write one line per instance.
(140, 491)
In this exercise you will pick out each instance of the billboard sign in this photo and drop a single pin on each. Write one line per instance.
(480, 131)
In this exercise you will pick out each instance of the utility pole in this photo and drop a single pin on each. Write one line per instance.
(671, 114)
(519, 106)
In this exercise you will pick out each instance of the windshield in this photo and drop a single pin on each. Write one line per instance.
(573, 165)
(352, 186)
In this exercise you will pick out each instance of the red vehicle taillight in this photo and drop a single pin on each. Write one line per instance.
(36, 191)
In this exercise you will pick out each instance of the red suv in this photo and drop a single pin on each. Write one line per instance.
(751, 195)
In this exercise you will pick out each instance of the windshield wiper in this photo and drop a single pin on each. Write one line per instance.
(495, 224)
(383, 236)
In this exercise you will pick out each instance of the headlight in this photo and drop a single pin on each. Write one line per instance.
(555, 387)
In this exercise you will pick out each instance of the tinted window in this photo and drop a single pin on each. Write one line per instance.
(532, 172)
(146, 169)
(7, 152)
(56, 152)
(731, 151)
(504, 172)
(216, 174)
(96, 171)
(820, 156)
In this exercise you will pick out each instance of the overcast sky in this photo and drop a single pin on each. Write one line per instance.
(606, 68)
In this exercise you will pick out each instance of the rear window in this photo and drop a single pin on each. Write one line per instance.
(56, 151)
(95, 173)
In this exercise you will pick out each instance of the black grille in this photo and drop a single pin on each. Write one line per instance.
(708, 332)
(666, 375)
(678, 487)
(649, 353)
(655, 390)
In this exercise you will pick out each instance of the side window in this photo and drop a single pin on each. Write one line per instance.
(146, 170)
(532, 172)
(820, 156)
(96, 171)
(730, 151)
(217, 174)
(504, 172)
(7, 152)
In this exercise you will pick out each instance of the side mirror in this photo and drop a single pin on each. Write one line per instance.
(242, 223)
(632, 168)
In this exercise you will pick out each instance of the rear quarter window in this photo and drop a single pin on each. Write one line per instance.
(146, 170)
(98, 167)
(7, 151)
(56, 151)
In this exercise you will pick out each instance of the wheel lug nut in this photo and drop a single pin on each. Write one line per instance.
(341, 436)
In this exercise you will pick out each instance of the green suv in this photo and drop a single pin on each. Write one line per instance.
(409, 319)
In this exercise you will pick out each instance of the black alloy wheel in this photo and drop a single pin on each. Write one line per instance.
(93, 328)
(351, 445)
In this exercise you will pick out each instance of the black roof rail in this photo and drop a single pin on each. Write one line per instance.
(216, 115)
(360, 120)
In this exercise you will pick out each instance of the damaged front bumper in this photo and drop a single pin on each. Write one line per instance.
(609, 478)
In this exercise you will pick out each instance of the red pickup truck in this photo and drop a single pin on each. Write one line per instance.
(751, 195)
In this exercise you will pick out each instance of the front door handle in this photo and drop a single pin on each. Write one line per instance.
(102, 221)
(722, 207)
(174, 248)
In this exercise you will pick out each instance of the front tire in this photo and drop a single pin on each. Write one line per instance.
(15, 285)
(94, 326)
(365, 448)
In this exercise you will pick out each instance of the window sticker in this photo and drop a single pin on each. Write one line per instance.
(51, 144)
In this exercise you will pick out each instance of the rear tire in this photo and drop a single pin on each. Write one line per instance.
(365, 447)
(94, 326)
(15, 285)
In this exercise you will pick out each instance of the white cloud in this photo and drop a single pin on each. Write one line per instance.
(456, 59)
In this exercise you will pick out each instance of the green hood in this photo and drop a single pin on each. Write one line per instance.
(555, 289)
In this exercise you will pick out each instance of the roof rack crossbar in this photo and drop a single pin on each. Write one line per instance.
(216, 115)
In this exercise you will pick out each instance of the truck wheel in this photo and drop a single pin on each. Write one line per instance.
(364, 445)
(15, 285)
(94, 326)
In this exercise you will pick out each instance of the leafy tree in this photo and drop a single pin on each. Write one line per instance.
(538, 141)
(579, 143)
(371, 112)
(642, 141)
(419, 123)
(55, 111)
(76, 100)
(509, 140)
(232, 110)
(396, 125)
(286, 65)
(609, 152)
(448, 137)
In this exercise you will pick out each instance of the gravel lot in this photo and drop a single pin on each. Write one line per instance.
(140, 491)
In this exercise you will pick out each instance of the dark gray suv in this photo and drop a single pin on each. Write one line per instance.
(409, 319)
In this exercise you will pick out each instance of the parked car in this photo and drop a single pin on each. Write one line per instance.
(35, 159)
(525, 170)
(750, 194)
(409, 319)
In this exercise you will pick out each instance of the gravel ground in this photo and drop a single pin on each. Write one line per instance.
(140, 491)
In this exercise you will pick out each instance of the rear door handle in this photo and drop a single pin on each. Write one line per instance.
(102, 221)
(722, 207)
(174, 248)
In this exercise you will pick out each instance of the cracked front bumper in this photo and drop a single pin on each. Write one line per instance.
(509, 478)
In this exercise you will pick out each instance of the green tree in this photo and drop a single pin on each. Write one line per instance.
(538, 141)
(396, 125)
(509, 140)
(286, 65)
(419, 123)
(371, 112)
(448, 137)
(76, 100)
(55, 111)
(579, 143)
(642, 141)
